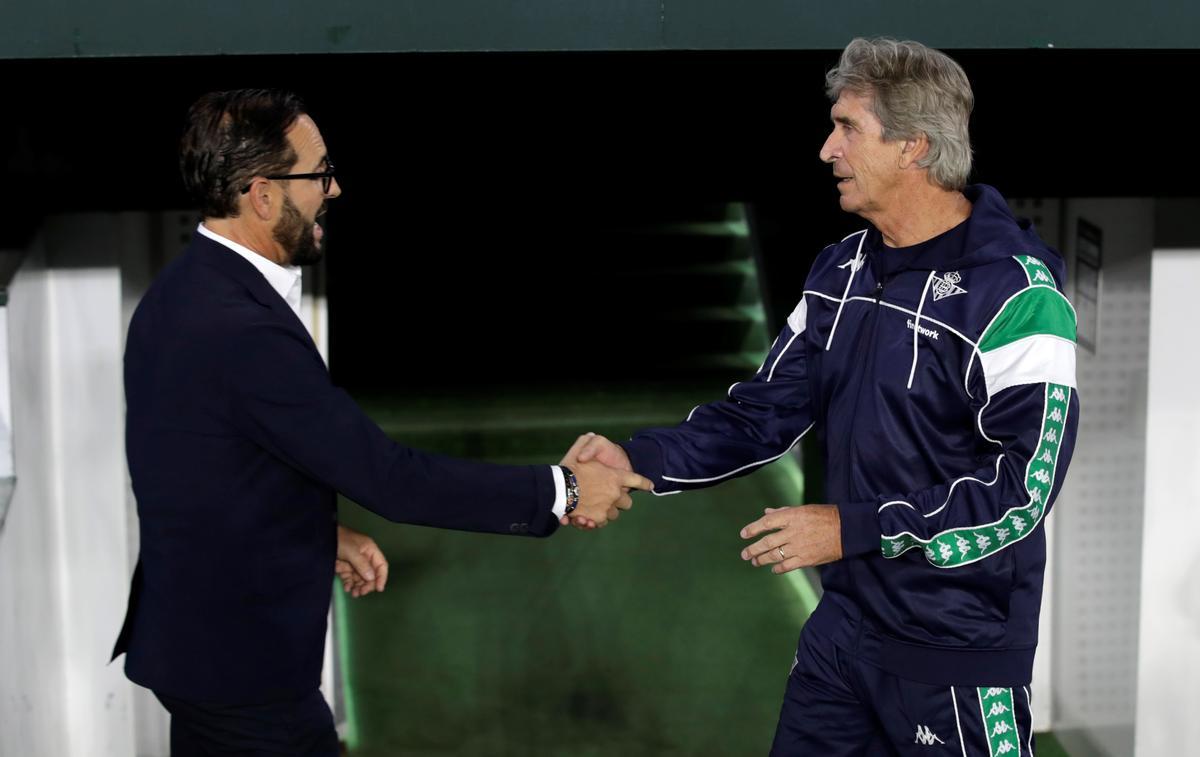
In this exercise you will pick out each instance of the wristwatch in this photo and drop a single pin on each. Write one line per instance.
(572, 489)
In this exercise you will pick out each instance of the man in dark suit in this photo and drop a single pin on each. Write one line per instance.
(238, 445)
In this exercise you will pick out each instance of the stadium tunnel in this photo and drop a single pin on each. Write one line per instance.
(534, 245)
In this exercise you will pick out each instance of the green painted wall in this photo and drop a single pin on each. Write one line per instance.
(84, 28)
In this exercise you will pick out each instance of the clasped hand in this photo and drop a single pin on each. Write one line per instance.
(792, 537)
(605, 478)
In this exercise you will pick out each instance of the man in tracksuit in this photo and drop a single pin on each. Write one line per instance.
(933, 355)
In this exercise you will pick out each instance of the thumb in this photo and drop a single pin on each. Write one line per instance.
(591, 449)
(573, 454)
(361, 563)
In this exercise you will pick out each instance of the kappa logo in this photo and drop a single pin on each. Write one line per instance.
(946, 285)
(926, 736)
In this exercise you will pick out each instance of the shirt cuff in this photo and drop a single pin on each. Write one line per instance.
(860, 528)
(560, 491)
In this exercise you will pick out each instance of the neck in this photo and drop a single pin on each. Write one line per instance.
(920, 213)
(254, 237)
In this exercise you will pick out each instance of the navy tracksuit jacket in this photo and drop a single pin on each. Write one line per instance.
(940, 382)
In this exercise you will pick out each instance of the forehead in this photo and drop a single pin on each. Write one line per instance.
(306, 139)
(854, 106)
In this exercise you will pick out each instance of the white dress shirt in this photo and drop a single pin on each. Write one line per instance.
(286, 280)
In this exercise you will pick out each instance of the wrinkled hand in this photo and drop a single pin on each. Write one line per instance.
(603, 487)
(360, 564)
(797, 537)
(596, 447)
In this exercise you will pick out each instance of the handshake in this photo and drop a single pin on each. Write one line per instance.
(787, 537)
(605, 477)
(602, 471)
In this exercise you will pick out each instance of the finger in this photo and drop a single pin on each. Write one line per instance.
(613, 513)
(765, 544)
(769, 510)
(361, 562)
(381, 573)
(634, 481)
(767, 556)
(788, 565)
(573, 453)
(624, 502)
(760, 526)
(564, 521)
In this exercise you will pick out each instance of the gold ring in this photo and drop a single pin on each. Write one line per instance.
(781, 555)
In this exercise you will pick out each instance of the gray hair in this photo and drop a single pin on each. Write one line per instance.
(914, 90)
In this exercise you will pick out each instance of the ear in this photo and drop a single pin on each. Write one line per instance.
(259, 199)
(913, 150)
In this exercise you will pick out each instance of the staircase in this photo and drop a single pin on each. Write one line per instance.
(692, 276)
(678, 288)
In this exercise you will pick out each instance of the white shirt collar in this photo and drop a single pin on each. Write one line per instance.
(286, 280)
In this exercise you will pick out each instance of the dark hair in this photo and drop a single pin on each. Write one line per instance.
(230, 138)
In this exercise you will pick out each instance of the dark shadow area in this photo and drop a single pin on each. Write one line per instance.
(478, 242)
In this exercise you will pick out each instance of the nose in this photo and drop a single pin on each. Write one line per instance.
(831, 148)
(335, 189)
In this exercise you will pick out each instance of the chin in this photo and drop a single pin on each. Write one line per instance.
(307, 254)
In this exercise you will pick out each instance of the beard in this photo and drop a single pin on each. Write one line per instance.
(295, 235)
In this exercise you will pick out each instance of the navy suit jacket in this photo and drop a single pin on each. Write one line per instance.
(237, 445)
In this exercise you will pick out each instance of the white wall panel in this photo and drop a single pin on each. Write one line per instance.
(64, 549)
(1168, 700)
(1098, 518)
(31, 622)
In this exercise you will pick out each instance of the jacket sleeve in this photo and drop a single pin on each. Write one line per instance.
(757, 422)
(1024, 370)
(282, 399)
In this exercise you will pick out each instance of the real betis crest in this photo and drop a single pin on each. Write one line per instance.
(946, 285)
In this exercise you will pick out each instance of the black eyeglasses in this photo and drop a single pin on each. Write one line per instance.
(325, 176)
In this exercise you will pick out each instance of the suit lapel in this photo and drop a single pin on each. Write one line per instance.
(215, 255)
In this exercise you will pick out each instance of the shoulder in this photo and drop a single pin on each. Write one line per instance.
(191, 306)
(837, 258)
(1022, 289)
(1033, 306)
(1029, 333)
